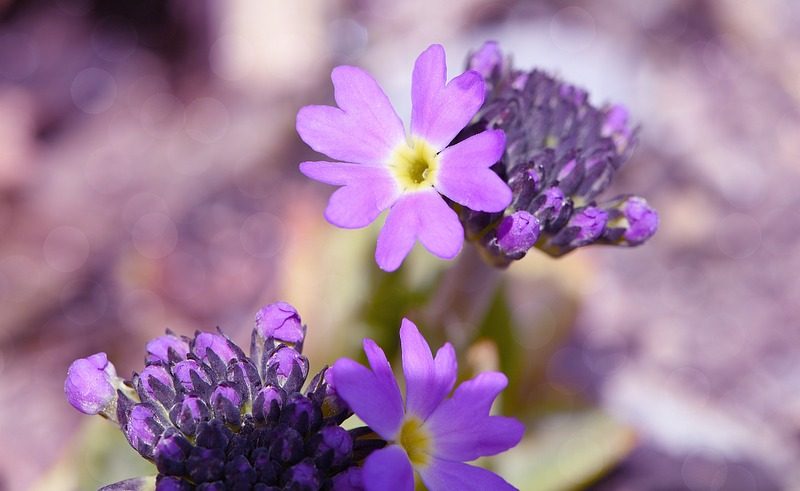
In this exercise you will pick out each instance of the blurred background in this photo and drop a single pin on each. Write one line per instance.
(148, 179)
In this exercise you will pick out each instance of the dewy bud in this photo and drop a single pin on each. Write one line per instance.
(281, 322)
(90, 384)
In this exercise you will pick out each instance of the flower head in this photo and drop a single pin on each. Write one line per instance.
(428, 432)
(211, 417)
(561, 153)
(381, 167)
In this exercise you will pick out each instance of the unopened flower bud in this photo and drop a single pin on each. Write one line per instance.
(192, 376)
(281, 322)
(158, 349)
(143, 428)
(155, 384)
(286, 368)
(268, 403)
(188, 415)
(90, 385)
(226, 403)
(517, 233)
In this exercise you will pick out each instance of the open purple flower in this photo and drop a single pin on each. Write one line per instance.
(383, 167)
(429, 434)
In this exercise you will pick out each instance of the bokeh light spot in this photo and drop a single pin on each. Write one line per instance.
(154, 235)
(66, 249)
(262, 235)
(207, 119)
(93, 90)
(738, 235)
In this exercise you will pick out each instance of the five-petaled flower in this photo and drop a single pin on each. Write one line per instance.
(429, 434)
(380, 166)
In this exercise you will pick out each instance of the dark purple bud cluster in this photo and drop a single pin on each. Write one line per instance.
(561, 153)
(211, 417)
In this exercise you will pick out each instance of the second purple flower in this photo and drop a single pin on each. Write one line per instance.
(381, 167)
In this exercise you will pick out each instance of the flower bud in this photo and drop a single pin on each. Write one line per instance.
(214, 349)
(90, 385)
(143, 429)
(302, 476)
(301, 414)
(281, 322)
(226, 403)
(517, 233)
(155, 384)
(348, 480)
(487, 60)
(244, 377)
(192, 376)
(158, 349)
(189, 413)
(268, 403)
(286, 368)
(171, 452)
(332, 446)
(642, 220)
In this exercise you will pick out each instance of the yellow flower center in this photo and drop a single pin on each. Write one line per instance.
(414, 165)
(415, 440)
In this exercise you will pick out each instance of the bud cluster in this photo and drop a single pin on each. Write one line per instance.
(561, 153)
(211, 417)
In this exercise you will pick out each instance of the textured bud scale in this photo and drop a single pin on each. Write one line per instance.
(561, 153)
(211, 417)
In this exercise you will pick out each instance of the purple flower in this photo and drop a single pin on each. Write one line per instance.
(380, 166)
(90, 384)
(430, 434)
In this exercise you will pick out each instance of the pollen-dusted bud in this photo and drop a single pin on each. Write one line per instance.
(90, 385)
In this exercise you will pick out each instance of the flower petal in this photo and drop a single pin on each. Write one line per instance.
(427, 382)
(367, 191)
(439, 111)
(443, 475)
(364, 128)
(422, 215)
(461, 426)
(369, 396)
(388, 468)
(465, 176)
